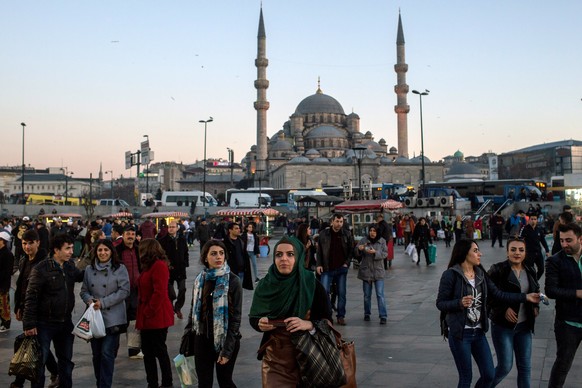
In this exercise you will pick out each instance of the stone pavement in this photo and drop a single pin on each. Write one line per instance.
(407, 352)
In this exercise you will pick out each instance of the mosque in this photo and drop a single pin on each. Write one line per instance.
(321, 146)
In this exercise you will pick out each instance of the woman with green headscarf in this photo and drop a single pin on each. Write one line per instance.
(287, 300)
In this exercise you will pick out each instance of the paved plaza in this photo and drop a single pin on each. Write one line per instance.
(407, 352)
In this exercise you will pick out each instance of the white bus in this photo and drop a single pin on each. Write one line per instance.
(186, 198)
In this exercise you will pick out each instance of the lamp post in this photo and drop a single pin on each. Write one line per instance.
(112, 196)
(22, 179)
(259, 173)
(420, 94)
(204, 177)
(147, 168)
(231, 164)
(66, 172)
(359, 152)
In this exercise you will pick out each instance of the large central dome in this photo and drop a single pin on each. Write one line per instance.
(319, 103)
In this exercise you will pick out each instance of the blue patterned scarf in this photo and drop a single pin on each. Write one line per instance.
(219, 302)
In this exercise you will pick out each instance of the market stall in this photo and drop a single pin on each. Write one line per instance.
(265, 216)
(167, 216)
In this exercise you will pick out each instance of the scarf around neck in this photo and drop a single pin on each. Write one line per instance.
(284, 296)
(219, 302)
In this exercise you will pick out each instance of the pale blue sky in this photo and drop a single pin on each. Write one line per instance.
(91, 78)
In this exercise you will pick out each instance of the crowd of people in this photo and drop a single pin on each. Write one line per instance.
(136, 276)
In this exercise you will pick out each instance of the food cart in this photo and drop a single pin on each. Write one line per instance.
(267, 216)
(167, 216)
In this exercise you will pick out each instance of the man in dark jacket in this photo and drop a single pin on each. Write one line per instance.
(334, 252)
(128, 253)
(176, 248)
(533, 236)
(564, 284)
(202, 232)
(238, 258)
(50, 300)
(497, 223)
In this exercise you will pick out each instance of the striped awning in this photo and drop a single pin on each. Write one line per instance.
(166, 215)
(247, 212)
(392, 205)
(119, 215)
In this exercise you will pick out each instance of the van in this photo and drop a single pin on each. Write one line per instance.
(249, 199)
(186, 198)
(113, 202)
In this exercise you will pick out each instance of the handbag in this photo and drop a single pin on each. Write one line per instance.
(187, 343)
(26, 361)
(319, 358)
(348, 358)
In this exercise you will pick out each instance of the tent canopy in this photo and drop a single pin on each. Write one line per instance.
(247, 212)
(166, 215)
(369, 206)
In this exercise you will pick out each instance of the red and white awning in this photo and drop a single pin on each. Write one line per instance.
(119, 215)
(166, 215)
(247, 212)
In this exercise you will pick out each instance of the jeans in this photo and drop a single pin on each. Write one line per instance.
(104, 354)
(339, 276)
(473, 343)
(153, 346)
(379, 285)
(62, 339)
(181, 296)
(507, 341)
(568, 339)
(253, 258)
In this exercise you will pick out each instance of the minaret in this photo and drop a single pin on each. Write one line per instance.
(261, 105)
(101, 172)
(401, 90)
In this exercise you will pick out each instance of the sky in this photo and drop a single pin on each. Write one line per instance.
(90, 78)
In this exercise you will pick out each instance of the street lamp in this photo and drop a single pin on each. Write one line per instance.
(22, 179)
(420, 94)
(204, 178)
(148, 168)
(66, 172)
(231, 164)
(359, 151)
(112, 196)
(258, 173)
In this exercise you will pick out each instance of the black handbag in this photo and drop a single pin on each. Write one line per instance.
(319, 357)
(187, 343)
(26, 361)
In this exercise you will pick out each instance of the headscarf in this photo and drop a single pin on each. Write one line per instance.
(373, 240)
(284, 296)
(219, 302)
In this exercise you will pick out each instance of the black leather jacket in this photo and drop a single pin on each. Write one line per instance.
(50, 297)
(563, 278)
(324, 243)
(504, 278)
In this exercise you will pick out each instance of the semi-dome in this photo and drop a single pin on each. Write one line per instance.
(385, 161)
(402, 160)
(372, 145)
(325, 132)
(281, 145)
(319, 103)
(312, 151)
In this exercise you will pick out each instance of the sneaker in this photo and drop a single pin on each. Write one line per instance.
(382, 321)
(4, 329)
(367, 318)
(138, 356)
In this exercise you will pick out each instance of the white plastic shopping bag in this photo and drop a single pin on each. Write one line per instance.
(409, 249)
(414, 255)
(97, 324)
(83, 327)
(186, 369)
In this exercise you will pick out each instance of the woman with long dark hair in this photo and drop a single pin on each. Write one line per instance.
(512, 325)
(304, 235)
(462, 298)
(154, 311)
(106, 284)
(251, 241)
(215, 317)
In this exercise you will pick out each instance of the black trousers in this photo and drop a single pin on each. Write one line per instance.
(206, 357)
(153, 346)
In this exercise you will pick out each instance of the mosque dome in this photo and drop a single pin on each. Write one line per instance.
(385, 161)
(402, 160)
(463, 169)
(340, 159)
(319, 103)
(321, 161)
(393, 150)
(459, 155)
(353, 115)
(370, 154)
(372, 145)
(281, 145)
(325, 132)
(312, 154)
(418, 160)
(300, 160)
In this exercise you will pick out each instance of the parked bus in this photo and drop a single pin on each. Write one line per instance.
(49, 199)
(186, 198)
